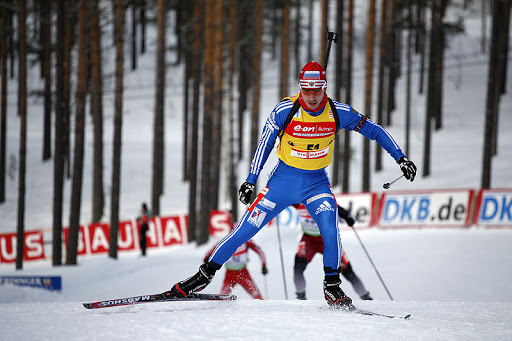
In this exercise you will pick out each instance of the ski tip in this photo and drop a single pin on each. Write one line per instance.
(408, 316)
(88, 305)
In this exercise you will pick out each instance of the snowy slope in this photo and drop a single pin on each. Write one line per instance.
(455, 283)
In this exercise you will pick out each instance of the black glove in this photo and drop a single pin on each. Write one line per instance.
(245, 192)
(350, 221)
(343, 214)
(407, 167)
(264, 270)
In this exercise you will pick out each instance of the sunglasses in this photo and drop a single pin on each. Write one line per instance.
(311, 91)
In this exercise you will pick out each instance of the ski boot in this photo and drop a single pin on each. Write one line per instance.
(334, 296)
(367, 297)
(197, 282)
(301, 295)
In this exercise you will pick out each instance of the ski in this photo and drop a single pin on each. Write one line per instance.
(371, 313)
(156, 298)
(353, 309)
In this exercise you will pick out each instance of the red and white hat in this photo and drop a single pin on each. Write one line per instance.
(312, 76)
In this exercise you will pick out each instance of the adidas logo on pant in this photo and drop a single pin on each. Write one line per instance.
(325, 206)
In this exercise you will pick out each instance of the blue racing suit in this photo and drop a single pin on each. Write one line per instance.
(289, 185)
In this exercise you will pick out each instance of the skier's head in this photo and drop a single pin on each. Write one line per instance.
(312, 76)
(312, 84)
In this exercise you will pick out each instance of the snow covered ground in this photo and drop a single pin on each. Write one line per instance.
(456, 283)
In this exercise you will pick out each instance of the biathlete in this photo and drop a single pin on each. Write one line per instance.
(307, 125)
(236, 270)
(312, 243)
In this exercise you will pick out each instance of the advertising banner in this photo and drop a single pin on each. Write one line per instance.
(361, 206)
(220, 223)
(494, 208)
(43, 282)
(448, 208)
(174, 230)
(33, 250)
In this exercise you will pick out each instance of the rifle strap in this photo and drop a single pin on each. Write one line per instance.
(296, 107)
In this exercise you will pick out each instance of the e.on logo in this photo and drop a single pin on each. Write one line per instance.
(298, 127)
(33, 250)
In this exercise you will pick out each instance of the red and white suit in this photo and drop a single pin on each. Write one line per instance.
(236, 270)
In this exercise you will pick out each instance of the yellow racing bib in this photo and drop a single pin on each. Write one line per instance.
(307, 141)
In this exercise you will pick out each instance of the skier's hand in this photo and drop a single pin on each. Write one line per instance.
(350, 221)
(407, 167)
(343, 214)
(264, 270)
(245, 192)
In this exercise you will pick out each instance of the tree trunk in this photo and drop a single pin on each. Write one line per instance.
(310, 31)
(483, 39)
(178, 29)
(4, 43)
(504, 49)
(422, 47)
(142, 26)
(118, 124)
(383, 65)
(22, 113)
(78, 160)
(58, 159)
(503, 60)
(408, 79)
(114, 21)
(276, 6)
(284, 60)
(245, 61)
(368, 91)
(323, 30)
(233, 161)
(12, 57)
(196, 72)
(258, 40)
(493, 87)
(187, 75)
(68, 38)
(393, 62)
(336, 178)
(440, 67)
(431, 96)
(298, 36)
(348, 75)
(97, 113)
(158, 127)
(208, 109)
(46, 35)
(134, 34)
(217, 104)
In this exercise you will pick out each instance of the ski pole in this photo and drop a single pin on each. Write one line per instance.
(374, 267)
(331, 36)
(281, 254)
(388, 184)
(265, 284)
